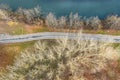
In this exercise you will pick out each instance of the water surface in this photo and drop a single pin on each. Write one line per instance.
(87, 8)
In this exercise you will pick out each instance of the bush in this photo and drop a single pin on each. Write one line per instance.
(61, 59)
(51, 21)
(62, 22)
(5, 11)
(113, 22)
(5, 7)
(29, 15)
(94, 23)
(3, 15)
(75, 21)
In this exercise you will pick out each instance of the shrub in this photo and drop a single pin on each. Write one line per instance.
(75, 21)
(61, 59)
(5, 7)
(3, 15)
(94, 23)
(29, 14)
(5, 11)
(62, 22)
(51, 20)
(113, 22)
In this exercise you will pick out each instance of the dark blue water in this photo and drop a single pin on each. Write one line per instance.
(86, 8)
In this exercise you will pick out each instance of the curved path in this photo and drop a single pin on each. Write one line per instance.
(57, 35)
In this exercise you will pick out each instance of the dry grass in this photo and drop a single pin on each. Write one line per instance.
(62, 59)
(7, 54)
(9, 51)
(17, 28)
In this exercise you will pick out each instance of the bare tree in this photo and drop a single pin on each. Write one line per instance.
(70, 25)
(3, 15)
(37, 11)
(5, 12)
(113, 22)
(5, 7)
(78, 23)
(51, 21)
(75, 21)
(30, 14)
(93, 23)
(62, 22)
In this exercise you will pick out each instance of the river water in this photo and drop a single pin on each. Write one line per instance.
(87, 8)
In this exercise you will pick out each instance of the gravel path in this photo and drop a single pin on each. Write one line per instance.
(57, 35)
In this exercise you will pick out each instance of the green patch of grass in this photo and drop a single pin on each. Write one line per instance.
(23, 45)
(107, 32)
(18, 31)
(117, 33)
(101, 32)
(116, 45)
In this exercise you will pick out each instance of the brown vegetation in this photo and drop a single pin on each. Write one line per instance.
(66, 60)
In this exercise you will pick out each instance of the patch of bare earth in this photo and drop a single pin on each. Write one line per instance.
(3, 57)
(7, 54)
(111, 72)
